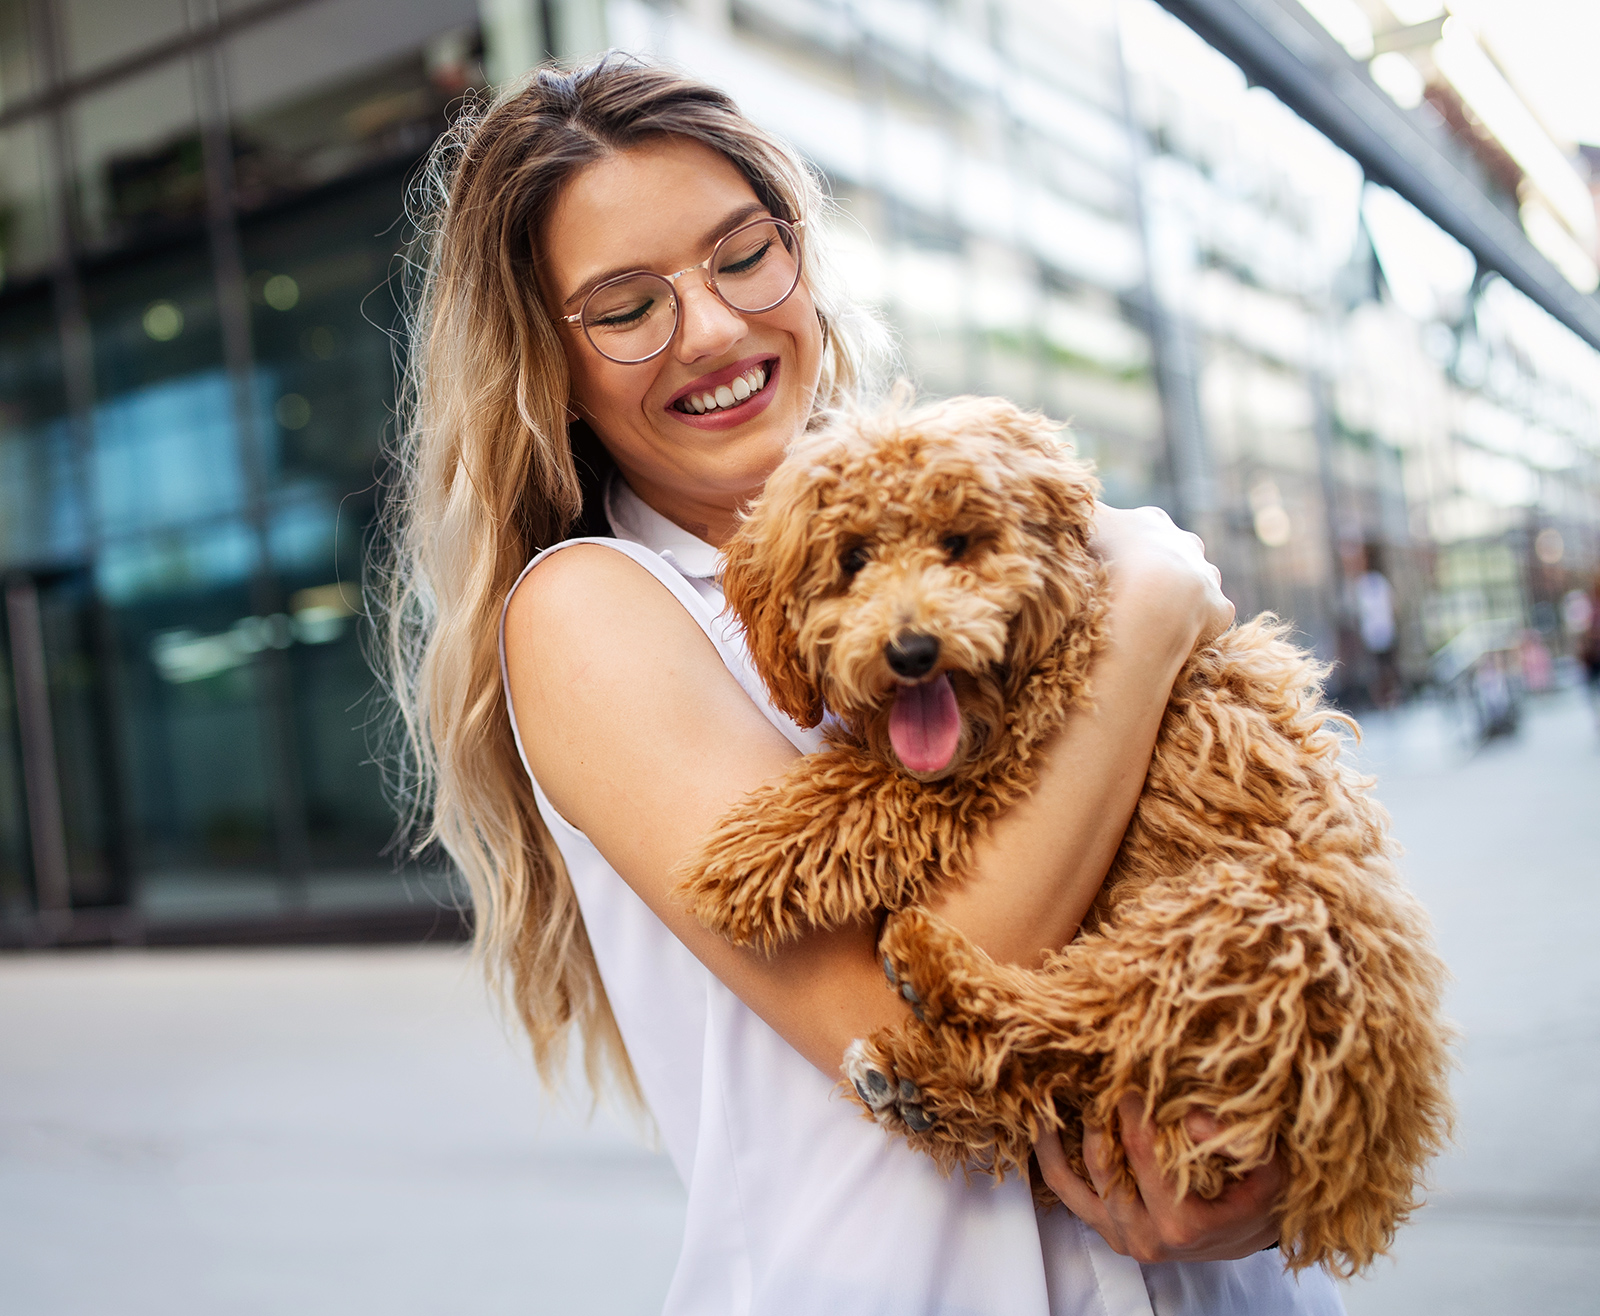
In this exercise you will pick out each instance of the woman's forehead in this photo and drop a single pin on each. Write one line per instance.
(656, 206)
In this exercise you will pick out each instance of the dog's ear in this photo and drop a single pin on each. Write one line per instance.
(764, 567)
(1055, 491)
(1061, 486)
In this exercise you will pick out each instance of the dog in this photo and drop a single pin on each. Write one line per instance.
(926, 580)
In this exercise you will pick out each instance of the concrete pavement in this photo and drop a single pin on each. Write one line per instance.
(349, 1132)
(323, 1133)
(1504, 848)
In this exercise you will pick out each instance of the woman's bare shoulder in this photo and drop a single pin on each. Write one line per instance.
(597, 651)
(590, 598)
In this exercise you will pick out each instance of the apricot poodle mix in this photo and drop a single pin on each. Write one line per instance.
(926, 577)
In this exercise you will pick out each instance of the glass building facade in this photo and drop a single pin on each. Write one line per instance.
(199, 224)
(1077, 204)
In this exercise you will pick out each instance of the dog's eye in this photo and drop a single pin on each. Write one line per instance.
(854, 559)
(954, 545)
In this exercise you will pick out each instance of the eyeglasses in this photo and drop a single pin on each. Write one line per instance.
(633, 317)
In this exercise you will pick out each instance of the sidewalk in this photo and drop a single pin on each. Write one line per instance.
(1504, 848)
(195, 1133)
(323, 1133)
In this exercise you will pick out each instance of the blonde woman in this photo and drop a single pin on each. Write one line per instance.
(626, 318)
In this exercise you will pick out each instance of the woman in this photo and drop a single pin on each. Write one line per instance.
(626, 318)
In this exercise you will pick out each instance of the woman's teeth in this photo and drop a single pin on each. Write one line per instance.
(726, 395)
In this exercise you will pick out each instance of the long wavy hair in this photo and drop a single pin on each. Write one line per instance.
(485, 471)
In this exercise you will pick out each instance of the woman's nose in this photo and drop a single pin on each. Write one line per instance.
(708, 327)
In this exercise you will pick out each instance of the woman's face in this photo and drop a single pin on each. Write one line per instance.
(661, 207)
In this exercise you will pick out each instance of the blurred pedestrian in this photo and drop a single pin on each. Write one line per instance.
(628, 316)
(1589, 646)
(1375, 619)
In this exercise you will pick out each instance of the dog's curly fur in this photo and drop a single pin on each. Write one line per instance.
(1252, 952)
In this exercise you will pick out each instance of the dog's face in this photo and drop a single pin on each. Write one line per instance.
(908, 569)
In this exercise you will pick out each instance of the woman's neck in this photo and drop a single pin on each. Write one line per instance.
(703, 519)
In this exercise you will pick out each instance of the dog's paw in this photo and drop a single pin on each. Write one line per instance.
(893, 1101)
(722, 901)
(939, 972)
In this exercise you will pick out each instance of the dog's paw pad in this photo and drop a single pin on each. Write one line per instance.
(875, 1088)
(908, 1101)
(889, 973)
(914, 1000)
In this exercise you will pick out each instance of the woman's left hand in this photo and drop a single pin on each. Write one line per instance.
(1152, 1223)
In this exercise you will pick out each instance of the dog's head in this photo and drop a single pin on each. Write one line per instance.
(909, 568)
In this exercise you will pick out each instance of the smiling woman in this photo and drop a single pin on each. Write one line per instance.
(625, 323)
(671, 201)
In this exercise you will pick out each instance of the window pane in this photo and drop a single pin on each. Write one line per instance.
(321, 92)
(27, 233)
(195, 755)
(100, 32)
(71, 622)
(138, 156)
(15, 895)
(166, 451)
(17, 76)
(321, 309)
(41, 510)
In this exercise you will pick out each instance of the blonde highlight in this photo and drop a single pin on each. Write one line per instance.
(482, 475)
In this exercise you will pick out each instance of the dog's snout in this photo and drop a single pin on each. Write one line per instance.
(911, 655)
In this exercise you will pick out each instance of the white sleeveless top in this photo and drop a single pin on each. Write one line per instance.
(797, 1205)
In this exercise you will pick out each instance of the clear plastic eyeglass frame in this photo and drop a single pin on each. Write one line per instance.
(792, 228)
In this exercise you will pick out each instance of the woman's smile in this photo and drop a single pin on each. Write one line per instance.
(729, 396)
(697, 429)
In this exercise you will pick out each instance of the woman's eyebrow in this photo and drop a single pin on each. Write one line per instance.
(728, 222)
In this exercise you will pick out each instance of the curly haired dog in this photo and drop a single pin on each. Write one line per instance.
(926, 577)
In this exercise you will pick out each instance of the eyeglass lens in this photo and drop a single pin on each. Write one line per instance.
(753, 269)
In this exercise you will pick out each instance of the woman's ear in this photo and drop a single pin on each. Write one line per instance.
(764, 567)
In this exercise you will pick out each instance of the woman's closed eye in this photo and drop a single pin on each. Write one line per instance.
(743, 264)
(622, 316)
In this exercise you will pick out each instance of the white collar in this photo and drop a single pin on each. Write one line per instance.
(636, 521)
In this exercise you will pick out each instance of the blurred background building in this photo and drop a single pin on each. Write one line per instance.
(1319, 278)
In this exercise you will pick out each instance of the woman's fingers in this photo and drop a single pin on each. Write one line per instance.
(1150, 1221)
(1077, 1196)
(1146, 551)
(1233, 1225)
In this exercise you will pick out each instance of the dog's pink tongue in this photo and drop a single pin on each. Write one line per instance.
(925, 725)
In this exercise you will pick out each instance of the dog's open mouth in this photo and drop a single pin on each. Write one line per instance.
(925, 725)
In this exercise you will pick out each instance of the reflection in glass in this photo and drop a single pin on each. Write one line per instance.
(17, 76)
(99, 32)
(41, 512)
(137, 146)
(325, 359)
(15, 895)
(166, 454)
(27, 231)
(70, 622)
(196, 762)
(319, 92)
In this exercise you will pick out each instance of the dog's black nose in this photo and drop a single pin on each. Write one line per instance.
(911, 655)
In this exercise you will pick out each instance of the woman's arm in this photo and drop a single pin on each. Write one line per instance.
(642, 739)
(1043, 862)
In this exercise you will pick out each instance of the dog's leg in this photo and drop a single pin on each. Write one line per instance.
(838, 838)
(960, 1080)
